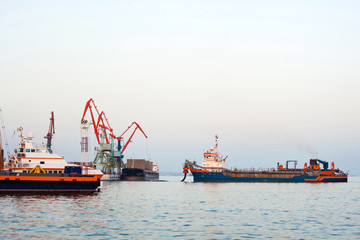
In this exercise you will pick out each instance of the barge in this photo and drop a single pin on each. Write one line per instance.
(140, 170)
(213, 169)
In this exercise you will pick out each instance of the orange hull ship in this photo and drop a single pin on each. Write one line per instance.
(37, 181)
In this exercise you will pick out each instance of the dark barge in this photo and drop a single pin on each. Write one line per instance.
(140, 170)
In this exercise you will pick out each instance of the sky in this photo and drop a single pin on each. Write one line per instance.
(275, 80)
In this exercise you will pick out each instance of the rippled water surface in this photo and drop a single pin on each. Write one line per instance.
(172, 209)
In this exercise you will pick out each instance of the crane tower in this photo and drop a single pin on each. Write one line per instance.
(84, 128)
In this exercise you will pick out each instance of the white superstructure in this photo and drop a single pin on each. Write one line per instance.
(155, 167)
(27, 156)
(212, 158)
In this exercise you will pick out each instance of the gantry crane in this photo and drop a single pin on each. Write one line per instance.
(109, 154)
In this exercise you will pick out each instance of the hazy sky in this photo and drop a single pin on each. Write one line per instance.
(276, 80)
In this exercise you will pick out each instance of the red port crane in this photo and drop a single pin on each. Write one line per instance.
(51, 132)
(102, 122)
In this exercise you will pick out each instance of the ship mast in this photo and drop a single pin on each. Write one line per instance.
(1, 154)
(6, 145)
(50, 132)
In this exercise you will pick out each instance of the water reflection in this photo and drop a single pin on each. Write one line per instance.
(152, 210)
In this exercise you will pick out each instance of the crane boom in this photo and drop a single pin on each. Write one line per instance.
(99, 122)
(324, 163)
(129, 140)
(88, 107)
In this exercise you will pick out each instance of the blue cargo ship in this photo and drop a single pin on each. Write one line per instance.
(213, 169)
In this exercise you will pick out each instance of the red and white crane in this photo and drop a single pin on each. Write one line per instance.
(100, 121)
(107, 155)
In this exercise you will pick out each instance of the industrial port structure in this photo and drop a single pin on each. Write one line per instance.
(109, 153)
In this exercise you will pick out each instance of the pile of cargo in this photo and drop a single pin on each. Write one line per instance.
(140, 163)
(140, 170)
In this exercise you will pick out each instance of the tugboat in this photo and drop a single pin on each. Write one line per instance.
(213, 169)
(37, 181)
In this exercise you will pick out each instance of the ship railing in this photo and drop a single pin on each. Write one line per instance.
(259, 170)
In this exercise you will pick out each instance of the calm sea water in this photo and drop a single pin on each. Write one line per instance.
(172, 209)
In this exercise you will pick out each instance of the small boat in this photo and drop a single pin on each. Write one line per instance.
(37, 181)
(140, 170)
(213, 169)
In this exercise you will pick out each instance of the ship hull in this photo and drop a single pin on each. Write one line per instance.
(137, 174)
(201, 176)
(38, 183)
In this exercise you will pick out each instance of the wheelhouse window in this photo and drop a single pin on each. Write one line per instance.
(32, 150)
(21, 150)
(27, 150)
